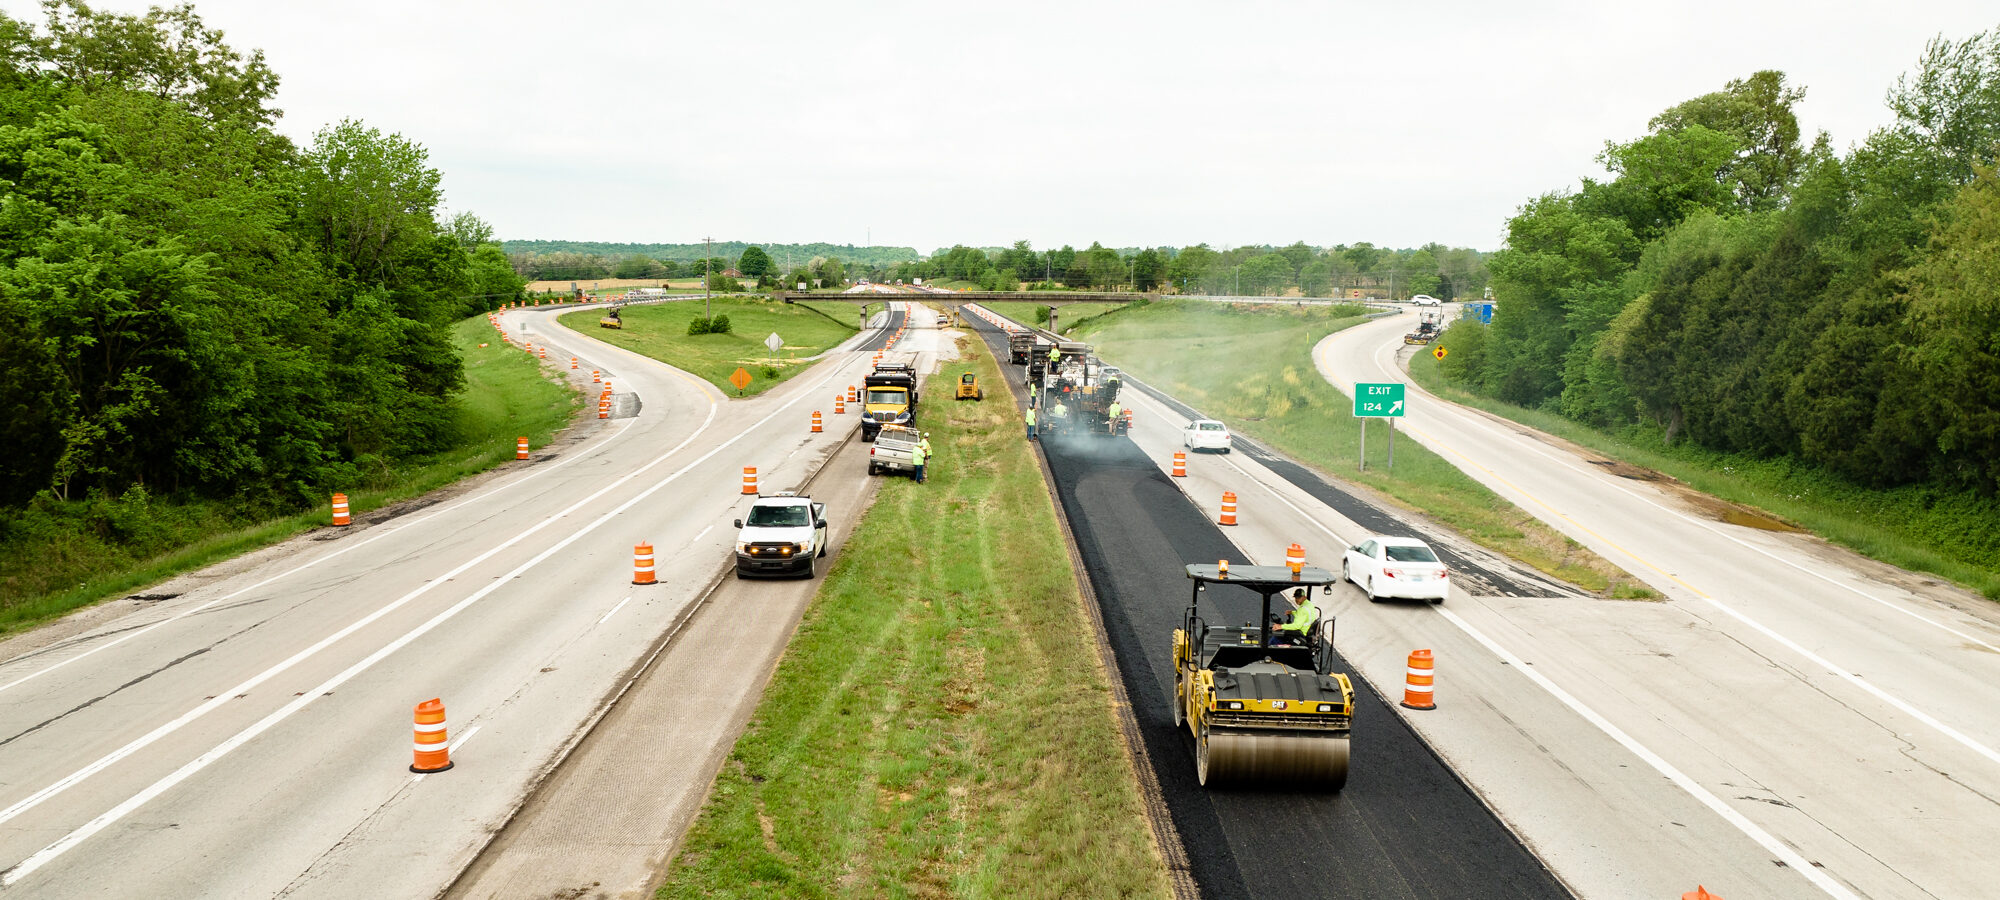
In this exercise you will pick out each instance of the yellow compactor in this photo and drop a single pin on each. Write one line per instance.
(1261, 712)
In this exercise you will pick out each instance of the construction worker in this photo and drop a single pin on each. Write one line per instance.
(1112, 413)
(1054, 353)
(1298, 628)
(1060, 419)
(1031, 423)
(925, 445)
(918, 456)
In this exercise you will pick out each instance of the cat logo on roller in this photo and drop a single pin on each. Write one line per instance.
(1263, 708)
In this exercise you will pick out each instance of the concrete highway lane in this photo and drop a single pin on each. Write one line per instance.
(251, 736)
(1404, 826)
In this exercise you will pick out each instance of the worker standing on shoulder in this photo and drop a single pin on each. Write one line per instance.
(1305, 615)
(918, 457)
(1031, 423)
(925, 443)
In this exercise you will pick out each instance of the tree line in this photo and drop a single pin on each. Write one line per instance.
(192, 304)
(1733, 286)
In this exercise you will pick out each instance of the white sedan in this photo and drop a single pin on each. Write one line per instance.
(1426, 300)
(1396, 567)
(1206, 434)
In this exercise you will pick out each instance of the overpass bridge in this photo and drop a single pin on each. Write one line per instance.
(1054, 300)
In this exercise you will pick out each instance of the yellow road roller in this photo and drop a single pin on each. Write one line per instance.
(1261, 704)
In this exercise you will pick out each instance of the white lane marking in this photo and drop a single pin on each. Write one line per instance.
(614, 610)
(1764, 839)
(701, 534)
(1693, 788)
(443, 510)
(46, 854)
(1838, 671)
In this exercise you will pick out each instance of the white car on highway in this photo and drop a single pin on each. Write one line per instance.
(782, 536)
(1396, 567)
(1426, 300)
(1206, 434)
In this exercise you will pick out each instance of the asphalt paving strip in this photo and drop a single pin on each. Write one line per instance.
(1404, 826)
(880, 339)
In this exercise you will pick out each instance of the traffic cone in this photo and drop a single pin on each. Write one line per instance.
(521, 448)
(340, 510)
(433, 749)
(816, 425)
(1699, 893)
(1419, 684)
(1228, 508)
(1180, 464)
(1295, 560)
(749, 479)
(642, 564)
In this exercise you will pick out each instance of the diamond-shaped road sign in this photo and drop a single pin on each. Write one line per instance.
(1439, 352)
(1378, 399)
(774, 342)
(739, 378)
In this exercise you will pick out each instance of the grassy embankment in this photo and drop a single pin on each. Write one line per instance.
(940, 724)
(1949, 534)
(1251, 365)
(659, 330)
(54, 561)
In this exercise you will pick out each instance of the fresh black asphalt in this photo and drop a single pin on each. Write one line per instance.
(880, 338)
(1404, 826)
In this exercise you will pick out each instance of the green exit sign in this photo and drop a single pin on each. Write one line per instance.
(1378, 400)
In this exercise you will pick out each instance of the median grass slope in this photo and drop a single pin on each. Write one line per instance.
(55, 557)
(1920, 527)
(1251, 365)
(659, 330)
(939, 726)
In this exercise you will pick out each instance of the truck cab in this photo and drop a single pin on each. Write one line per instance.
(889, 397)
(782, 535)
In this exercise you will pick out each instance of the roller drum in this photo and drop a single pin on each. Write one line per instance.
(1276, 758)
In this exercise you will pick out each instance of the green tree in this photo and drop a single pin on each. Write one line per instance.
(1148, 268)
(1266, 274)
(1955, 346)
(1755, 112)
(636, 266)
(1188, 267)
(756, 263)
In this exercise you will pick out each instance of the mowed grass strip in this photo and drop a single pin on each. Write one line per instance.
(940, 725)
(1251, 366)
(52, 562)
(659, 330)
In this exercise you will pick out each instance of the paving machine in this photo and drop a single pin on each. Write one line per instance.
(612, 320)
(1262, 711)
(1428, 329)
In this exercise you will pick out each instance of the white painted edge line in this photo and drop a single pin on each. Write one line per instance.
(51, 852)
(449, 749)
(615, 609)
(1838, 671)
(1694, 789)
(497, 490)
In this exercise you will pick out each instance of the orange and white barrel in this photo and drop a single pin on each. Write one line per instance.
(749, 479)
(604, 407)
(1295, 560)
(816, 423)
(594, 376)
(642, 564)
(839, 405)
(1180, 464)
(340, 510)
(521, 448)
(433, 749)
(1228, 508)
(1420, 685)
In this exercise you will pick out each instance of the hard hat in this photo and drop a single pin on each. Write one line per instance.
(1298, 593)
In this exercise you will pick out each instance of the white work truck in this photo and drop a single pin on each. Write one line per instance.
(891, 452)
(782, 535)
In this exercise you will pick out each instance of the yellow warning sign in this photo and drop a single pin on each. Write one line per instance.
(1438, 352)
(740, 378)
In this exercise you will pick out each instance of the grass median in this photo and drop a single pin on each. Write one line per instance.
(1919, 527)
(659, 330)
(940, 725)
(60, 557)
(1251, 366)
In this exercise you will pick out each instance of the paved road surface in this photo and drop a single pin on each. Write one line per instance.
(250, 736)
(1404, 826)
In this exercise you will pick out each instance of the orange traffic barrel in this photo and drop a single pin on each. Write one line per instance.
(1180, 464)
(544, 351)
(1295, 560)
(853, 396)
(839, 405)
(594, 376)
(816, 423)
(572, 362)
(1419, 685)
(1228, 508)
(749, 479)
(521, 448)
(604, 407)
(433, 751)
(1699, 893)
(340, 509)
(642, 564)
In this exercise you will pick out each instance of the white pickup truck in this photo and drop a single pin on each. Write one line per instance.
(782, 535)
(891, 452)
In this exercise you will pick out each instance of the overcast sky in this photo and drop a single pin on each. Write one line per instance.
(926, 124)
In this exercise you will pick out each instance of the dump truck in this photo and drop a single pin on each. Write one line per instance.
(888, 397)
(1261, 710)
(1020, 344)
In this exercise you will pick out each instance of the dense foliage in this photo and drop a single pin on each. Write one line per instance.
(1732, 287)
(192, 304)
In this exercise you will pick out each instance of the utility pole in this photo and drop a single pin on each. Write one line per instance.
(708, 276)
